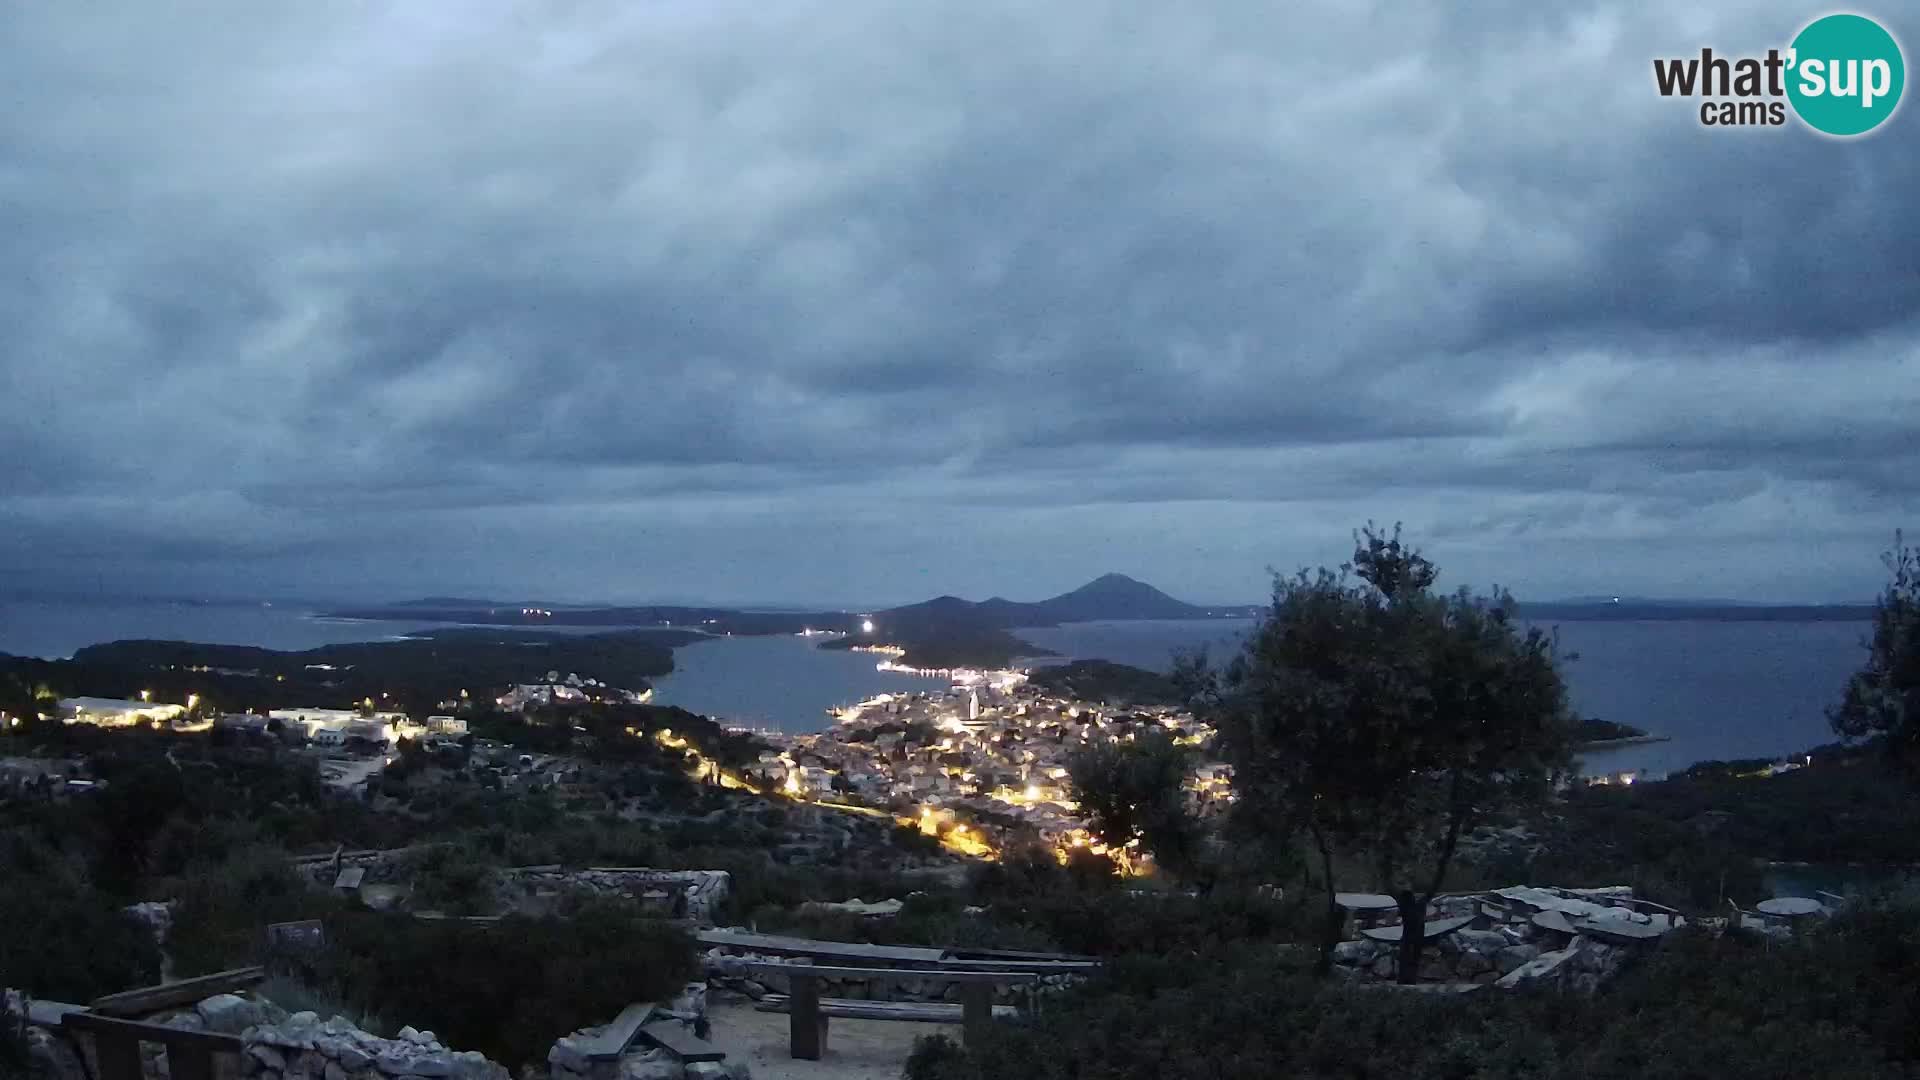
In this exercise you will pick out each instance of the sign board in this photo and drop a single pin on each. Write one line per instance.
(306, 935)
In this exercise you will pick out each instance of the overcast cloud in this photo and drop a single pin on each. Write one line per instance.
(868, 301)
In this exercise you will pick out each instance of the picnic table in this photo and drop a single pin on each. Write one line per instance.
(1434, 929)
(1789, 907)
(777, 945)
(808, 1011)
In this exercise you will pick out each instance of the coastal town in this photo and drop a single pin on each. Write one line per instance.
(978, 764)
(984, 759)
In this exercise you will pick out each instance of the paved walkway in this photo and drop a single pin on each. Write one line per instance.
(856, 1049)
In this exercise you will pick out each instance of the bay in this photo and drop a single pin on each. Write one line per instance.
(1716, 689)
(780, 682)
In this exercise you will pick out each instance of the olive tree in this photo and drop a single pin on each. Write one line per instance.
(1384, 721)
(1132, 793)
(1883, 697)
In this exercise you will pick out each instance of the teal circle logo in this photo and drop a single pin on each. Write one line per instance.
(1846, 75)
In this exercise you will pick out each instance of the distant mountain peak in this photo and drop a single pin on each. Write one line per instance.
(1117, 596)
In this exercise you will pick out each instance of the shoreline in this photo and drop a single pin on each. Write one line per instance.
(1614, 744)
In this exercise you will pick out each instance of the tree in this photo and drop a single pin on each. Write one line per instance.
(1131, 793)
(1883, 697)
(1384, 721)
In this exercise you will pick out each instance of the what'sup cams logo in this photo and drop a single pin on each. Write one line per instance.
(1842, 76)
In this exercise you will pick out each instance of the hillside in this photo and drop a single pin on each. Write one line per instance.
(1103, 680)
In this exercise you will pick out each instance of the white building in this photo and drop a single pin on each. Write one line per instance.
(116, 712)
(446, 725)
(349, 723)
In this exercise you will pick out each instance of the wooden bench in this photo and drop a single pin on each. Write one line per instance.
(808, 1013)
(776, 945)
(612, 1042)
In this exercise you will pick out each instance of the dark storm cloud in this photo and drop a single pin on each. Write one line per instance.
(860, 300)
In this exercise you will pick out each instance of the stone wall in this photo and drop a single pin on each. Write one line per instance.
(1489, 957)
(688, 894)
(691, 894)
(277, 1046)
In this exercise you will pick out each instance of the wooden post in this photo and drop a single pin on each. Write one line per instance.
(807, 1028)
(119, 1055)
(189, 1063)
(976, 1011)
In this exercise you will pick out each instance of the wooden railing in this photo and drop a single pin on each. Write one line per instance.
(116, 1044)
(117, 1037)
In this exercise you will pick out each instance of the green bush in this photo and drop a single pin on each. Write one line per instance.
(1842, 1002)
(507, 990)
(64, 940)
(224, 907)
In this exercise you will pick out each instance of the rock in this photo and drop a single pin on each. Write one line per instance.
(440, 1064)
(566, 1054)
(353, 1057)
(229, 1014)
(334, 1072)
(303, 1019)
(1593, 958)
(1472, 963)
(54, 1057)
(473, 1065)
(650, 1066)
(267, 1056)
(1545, 967)
(738, 1070)
(752, 989)
(707, 1070)
(1383, 966)
(419, 1038)
(189, 1021)
(1486, 941)
(1514, 956)
(1354, 952)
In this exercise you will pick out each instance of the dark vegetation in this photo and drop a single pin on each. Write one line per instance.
(1104, 680)
(1592, 730)
(508, 990)
(413, 675)
(1131, 794)
(1845, 1004)
(1882, 700)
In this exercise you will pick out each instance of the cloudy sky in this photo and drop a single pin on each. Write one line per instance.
(867, 301)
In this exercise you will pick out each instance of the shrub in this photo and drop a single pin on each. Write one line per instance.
(507, 990)
(1842, 1002)
(63, 940)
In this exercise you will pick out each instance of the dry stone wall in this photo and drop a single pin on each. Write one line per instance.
(275, 1046)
